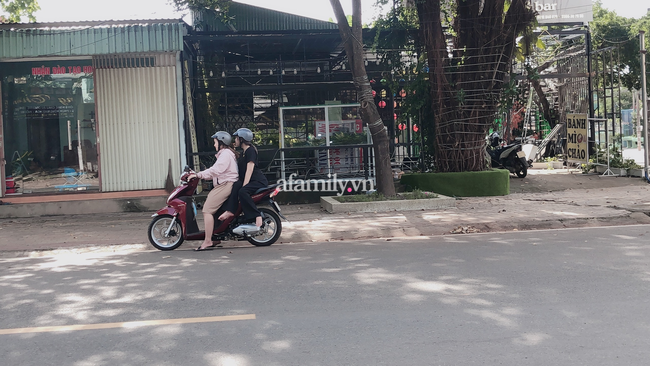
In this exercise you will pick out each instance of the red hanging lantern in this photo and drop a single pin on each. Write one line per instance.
(402, 93)
(374, 93)
(401, 126)
(382, 104)
(395, 116)
(415, 128)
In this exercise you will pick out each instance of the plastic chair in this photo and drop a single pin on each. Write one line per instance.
(73, 180)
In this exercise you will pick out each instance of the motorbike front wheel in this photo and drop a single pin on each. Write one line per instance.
(157, 229)
(270, 231)
(520, 169)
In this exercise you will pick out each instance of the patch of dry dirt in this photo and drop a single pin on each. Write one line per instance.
(540, 181)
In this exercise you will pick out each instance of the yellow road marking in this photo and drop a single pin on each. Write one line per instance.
(145, 323)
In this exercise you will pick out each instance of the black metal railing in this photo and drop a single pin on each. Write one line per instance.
(309, 162)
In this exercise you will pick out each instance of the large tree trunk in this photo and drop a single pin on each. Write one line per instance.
(352, 39)
(465, 87)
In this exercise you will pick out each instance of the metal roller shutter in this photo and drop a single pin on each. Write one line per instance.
(137, 118)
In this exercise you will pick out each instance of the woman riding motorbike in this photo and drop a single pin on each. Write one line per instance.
(251, 179)
(224, 173)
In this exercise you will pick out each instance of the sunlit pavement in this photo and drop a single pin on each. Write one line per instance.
(551, 199)
(551, 297)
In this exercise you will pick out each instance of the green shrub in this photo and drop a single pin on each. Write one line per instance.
(495, 182)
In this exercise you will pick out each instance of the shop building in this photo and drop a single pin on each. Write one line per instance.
(91, 106)
(258, 61)
(115, 106)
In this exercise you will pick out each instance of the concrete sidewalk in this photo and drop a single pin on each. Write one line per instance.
(543, 200)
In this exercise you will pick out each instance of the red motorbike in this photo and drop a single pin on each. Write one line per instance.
(176, 222)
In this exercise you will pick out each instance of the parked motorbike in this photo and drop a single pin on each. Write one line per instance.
(176, 222)
(509, 157)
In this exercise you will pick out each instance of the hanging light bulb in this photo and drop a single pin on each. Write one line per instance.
(295, 71)
(377, 62)
(318, 70)
(237, 67)
(211, 74)
(270, 72)
(343, 66)
(223, 74)
(282, 71)
(259, 72)
(389, 61)
(365, 62)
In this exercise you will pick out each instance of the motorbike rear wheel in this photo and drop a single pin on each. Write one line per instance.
(157, 229)
(270, 231)
(520, 169)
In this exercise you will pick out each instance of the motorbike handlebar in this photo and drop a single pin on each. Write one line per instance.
(186, 173)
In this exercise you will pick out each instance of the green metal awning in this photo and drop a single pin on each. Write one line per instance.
(29, 40)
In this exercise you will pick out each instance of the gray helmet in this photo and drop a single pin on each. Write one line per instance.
(223, 136)
(245, 134)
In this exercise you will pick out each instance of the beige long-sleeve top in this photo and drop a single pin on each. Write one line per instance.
(224, 169)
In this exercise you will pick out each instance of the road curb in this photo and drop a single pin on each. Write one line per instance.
(331, 205)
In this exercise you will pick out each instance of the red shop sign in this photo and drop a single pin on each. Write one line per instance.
(58, 70)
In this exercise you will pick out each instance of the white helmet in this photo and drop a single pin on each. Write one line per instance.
(245, 134)
(223, 136)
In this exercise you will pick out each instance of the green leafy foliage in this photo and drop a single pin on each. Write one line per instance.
(220, 7)
(348, 138)
(611, 30)
(396, 40)
(201, 4)
(12, 11)
(616, 159)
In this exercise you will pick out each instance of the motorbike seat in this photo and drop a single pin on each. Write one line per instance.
(272, 186)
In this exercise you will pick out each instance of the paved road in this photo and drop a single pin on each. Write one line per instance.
(560, 297)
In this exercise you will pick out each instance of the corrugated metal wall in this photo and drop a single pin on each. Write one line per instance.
(245, 18)
(137, 119)
(91, 40)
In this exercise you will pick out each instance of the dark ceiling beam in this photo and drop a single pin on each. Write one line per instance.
(269, 32)
(368, 34)
(278, 87)
(260, 37)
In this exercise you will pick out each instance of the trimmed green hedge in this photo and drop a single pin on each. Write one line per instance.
(495, 182)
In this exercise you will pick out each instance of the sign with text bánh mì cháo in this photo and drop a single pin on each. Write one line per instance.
(576, 138)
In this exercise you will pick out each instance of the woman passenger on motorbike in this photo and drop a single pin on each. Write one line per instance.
(224, 173)
(251, 179)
